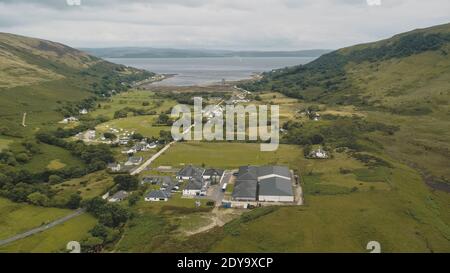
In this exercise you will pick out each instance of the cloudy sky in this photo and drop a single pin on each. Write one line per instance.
(219, 24)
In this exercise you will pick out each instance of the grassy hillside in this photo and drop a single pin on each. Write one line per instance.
(340, 76)
(39, 77)
(402, 81)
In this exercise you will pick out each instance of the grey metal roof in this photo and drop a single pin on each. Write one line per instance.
(135, 159)
(276, 170)
(245, 189)
(246, 185)
(120, 195)
(247, 173)
(190, 171)
(194, 184)
(158, 194)
(275, 186)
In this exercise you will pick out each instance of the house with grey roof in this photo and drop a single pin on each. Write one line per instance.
(264, 183)
(143, 146)
(196, 186)
(134, 161)
(157, 196)
(190, 172)
(118, 196)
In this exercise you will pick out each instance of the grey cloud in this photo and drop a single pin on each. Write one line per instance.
(59, 4)
(236, 24)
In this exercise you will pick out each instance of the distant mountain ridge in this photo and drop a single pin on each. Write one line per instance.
(142, 52)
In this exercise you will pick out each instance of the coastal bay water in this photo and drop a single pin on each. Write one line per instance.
(204, 71)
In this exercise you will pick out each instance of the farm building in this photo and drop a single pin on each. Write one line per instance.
(275, 189)
(265, 184)
(245, 190)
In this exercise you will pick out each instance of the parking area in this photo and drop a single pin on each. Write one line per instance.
(216, 192)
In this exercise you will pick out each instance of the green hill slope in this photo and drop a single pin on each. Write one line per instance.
(365, 74)
(402, 81)
(39, 77)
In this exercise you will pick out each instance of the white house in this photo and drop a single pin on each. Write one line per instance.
(319, 154)
(105, 196)
(90, 134)
(69, 120)
(84, 111)
(114, 167)
(124, 140)
(129, 151)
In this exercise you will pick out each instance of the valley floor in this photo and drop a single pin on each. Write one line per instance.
(347, 203)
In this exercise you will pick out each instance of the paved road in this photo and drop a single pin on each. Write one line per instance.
(155, 156)
(42, 228)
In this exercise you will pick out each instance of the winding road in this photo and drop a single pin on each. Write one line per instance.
(42, 228)
(158, 154)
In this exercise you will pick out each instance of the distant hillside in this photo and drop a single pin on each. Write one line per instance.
(402, 81)
(136, 52)
(400, 73)
(39, 77)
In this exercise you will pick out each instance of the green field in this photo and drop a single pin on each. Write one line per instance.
(158, 221)
(138, 124)
(52, 157)
(133, 99)
(405, 217)
(142, 232)
(226, 155)
(401, 81)
(343, 211)
(4, 143)
(17, 218)
(55, 239)
(39, 102)
(89, 186)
